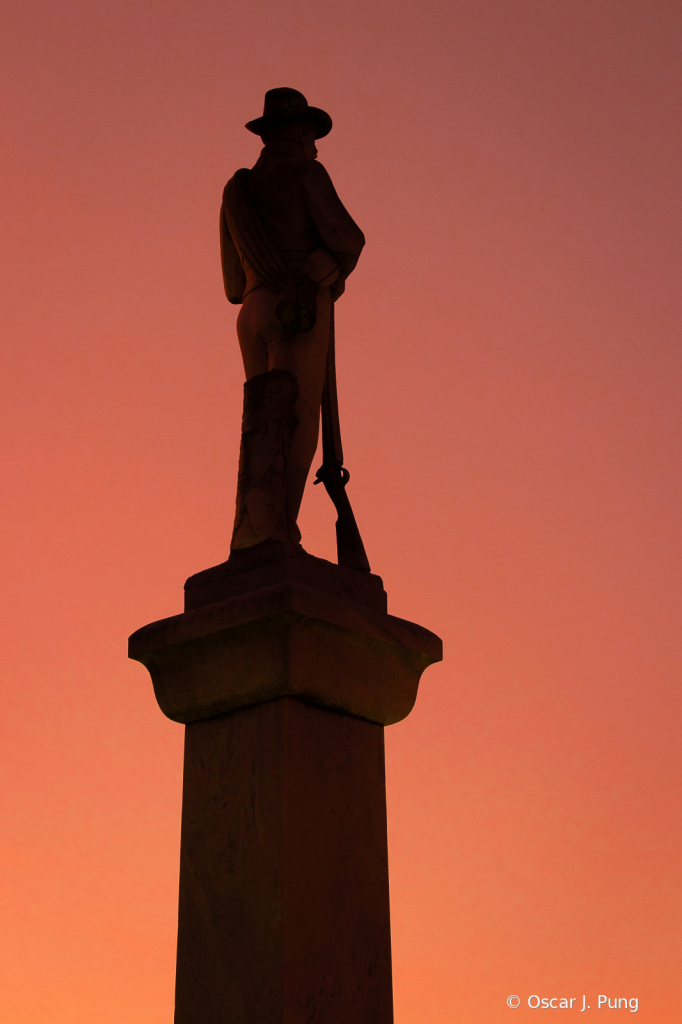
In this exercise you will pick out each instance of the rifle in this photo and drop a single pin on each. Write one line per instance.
(333, 474)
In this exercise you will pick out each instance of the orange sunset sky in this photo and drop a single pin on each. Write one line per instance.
(509, 373)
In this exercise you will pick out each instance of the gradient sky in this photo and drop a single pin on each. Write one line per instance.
(509, 371)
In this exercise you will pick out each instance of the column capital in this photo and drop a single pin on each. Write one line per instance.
(285, 640)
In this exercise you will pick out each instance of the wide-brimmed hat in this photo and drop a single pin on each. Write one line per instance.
(286, 106)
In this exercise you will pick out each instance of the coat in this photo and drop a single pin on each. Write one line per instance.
(299, 209)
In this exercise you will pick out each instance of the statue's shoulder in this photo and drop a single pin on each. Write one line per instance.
(238, 182)
(315, 175)
(290, 174)
(315, 169)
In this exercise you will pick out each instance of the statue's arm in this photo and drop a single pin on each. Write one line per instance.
(234, 277)
(337, 229)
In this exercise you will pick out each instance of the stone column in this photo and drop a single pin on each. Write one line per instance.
(285, 675)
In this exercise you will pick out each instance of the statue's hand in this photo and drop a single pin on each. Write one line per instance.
(334, 477)
(338, 288)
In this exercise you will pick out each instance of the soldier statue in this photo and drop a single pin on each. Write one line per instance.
(288, 245)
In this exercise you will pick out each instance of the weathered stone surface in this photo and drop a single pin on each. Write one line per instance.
(284, 905)
(286, 640)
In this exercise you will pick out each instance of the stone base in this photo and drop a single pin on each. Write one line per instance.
(285, 668)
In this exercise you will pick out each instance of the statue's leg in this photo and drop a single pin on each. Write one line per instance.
(267, 348)
(268, 426)
(305, 355)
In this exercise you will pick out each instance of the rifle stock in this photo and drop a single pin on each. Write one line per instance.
(349, 546)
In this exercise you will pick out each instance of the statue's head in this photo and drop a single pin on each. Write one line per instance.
(287, 116)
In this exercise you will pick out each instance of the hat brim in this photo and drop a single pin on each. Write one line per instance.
(320, 119)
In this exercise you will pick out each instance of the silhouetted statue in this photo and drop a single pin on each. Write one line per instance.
(287, 246)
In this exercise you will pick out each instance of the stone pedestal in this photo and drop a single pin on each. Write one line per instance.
(284, 674)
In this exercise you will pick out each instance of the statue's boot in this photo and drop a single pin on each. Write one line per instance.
(268, 425)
